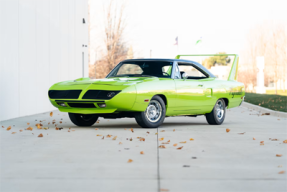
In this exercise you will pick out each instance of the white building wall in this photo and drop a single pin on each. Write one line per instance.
(41, 42)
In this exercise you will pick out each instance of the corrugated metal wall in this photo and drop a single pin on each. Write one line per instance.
(41, 42)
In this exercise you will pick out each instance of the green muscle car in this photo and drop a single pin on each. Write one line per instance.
(150, 90)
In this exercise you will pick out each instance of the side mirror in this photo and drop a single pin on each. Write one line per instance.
(184, 76)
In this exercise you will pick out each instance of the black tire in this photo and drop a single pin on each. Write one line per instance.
(146, 121)
(215, 117)
(83, 119)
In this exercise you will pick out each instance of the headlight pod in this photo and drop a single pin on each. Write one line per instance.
(100, 94)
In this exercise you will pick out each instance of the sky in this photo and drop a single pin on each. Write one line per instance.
(153, 25)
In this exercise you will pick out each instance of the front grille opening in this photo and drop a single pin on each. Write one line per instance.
(82, 105)
(67, 94)
(100, 94)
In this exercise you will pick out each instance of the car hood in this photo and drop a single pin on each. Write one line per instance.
(116, 83)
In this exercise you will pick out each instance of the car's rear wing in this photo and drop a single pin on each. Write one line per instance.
(234, 68)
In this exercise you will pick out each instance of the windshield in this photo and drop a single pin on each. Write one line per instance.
(143, 69)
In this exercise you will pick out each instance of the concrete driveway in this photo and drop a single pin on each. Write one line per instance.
(79, 159)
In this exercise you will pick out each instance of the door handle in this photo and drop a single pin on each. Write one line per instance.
(200, 85)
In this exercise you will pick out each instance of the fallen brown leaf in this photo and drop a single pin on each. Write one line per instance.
(168, 141)
(46, 128)
(20, 130)
(103, 137)
(130, 160)
(183, 142)
(125, 128)
(115, 138)
(131, 139)
(162, 131)
(281, 172)
(161, 139)
(274, 140)
(147, 132)
(173, 129)
(13, 132)
(60, 121)
(162, 146)
(8, 128)
(155, 133)
(30, 128)
(69, 130)
(73, 130)
(254, 138)
(109, 136)
(132, 130)
(57, 128)
(285, 141)
(2, 126)
(28, 123)
(96, 129)
(51, 114)
(120, 143)
(175, 144)
(142, 152)
(99, 135)
(40, 135)
(278, 155)
(241, 133)
(53, 122)
(261, 141)
(142, 139)
(179, 148)
(227, 130)
(191, 139)
(165, 143)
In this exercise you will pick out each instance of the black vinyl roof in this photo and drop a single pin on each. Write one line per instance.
(172, 60)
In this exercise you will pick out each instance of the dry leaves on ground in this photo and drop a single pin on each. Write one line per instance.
(254, 138)
(132, 130)
(174, 130)
(103, 137)
(20, 130)
(40, 135)
(161, 139)
(109, 136)
(165, 143)
(175, 144)
(142, 152)
(13, 132)
(73, 130)
(241, 133)
(130, 160)
(57, 128)
(168, 141)
(115, 138)
(147, 132)
(96, 129)
(46, 128)
(120, 143)
(60, 121)
(142, 139)
(8, 128)
(179, 148)
(51, 114)
(162, 131)
(155, 133)
(30, 128)
(99, 135)
(28, 123)
(183, 142)
(2, 126)
(285, 141)
(281, 172)
(191, 139)
(227, 130)
(161, 146)
(278, 155)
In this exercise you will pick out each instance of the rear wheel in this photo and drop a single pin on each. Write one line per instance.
(83, 119)
(217, 115)
(154, 114)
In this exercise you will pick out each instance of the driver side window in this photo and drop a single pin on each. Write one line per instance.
(191, 71)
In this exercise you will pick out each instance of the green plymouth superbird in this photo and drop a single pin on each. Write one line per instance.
(150, 90)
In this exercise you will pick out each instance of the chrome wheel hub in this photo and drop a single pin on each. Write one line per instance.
(154, 111)
(219, 110)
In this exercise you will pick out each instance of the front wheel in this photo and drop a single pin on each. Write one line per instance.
(217, 115)
(83, 119)
(154, 114)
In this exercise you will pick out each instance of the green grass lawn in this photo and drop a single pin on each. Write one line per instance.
(274, 102)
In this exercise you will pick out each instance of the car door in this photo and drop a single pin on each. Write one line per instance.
(191, 92)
